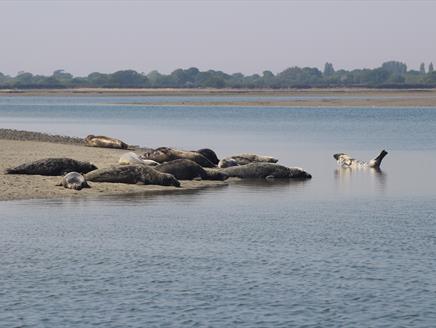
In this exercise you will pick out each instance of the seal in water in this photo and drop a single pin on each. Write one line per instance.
(52, 166)
(259, 170)
(209, 154)
(185, 169)
(104, 142)
(165, 154)
(346, 161)
(133, 159)
(132, 174)
(244, 159)
(74, 180)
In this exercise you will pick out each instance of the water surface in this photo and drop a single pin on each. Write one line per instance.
(347, 248)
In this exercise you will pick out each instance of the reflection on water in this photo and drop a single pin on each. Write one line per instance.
(347, 177)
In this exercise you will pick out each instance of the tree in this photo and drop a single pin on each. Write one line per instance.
(328, 69)
(422, 68)
(395, 67)
(430, 68)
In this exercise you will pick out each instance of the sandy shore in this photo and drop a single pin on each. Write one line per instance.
(338, 97)
(15, 152)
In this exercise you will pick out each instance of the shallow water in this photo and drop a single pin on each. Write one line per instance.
(347, 248)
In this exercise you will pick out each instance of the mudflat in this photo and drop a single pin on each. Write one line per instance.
(329, 97)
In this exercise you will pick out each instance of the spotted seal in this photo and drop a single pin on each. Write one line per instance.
(104, 142)
(52, 167)
(165, 154)
(345, 160)
(185, 169)
(259, 170)
(141, 174)
(74, 180)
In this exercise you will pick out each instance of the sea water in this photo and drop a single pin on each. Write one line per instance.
(347, 248)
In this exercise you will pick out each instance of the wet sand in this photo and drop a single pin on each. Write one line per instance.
(15, 152)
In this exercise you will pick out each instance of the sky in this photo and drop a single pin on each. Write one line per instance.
(234, 36)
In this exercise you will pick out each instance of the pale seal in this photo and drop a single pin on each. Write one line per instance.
(244, 159)
(165, 154)
(132, 174)
(133, 159)
(345, 160)
(185, 169)
(53, 167)
(74, 180)
(259, 170)
(104, 142)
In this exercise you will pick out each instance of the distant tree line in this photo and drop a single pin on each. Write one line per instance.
(392, 74)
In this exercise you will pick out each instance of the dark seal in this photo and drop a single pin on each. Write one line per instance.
(185, 169)
(52, 167)
(260, 170)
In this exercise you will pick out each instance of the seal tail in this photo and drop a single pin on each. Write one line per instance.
(377, 161)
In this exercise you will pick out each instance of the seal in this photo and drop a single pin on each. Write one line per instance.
(131, 158)
(165, 154)
(244, 159)
(104, 142)
(209, 154)
(259, 170)
(52, 167)
(132, 174)
(74, 180)
(345, 160)
(185, 169)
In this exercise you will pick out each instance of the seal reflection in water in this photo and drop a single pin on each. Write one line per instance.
(104, 142)
(74, 180)
(345, 160)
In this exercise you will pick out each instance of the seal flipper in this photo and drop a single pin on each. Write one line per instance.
(376, 162)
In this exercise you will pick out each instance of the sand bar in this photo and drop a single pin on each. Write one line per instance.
(15, 152)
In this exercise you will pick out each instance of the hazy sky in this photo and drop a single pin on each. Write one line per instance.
(235, 36)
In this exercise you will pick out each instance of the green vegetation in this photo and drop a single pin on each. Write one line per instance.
(392, 74)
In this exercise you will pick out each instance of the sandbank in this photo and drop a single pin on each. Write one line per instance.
(14, 187)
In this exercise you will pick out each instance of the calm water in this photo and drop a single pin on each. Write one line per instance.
(346, 249)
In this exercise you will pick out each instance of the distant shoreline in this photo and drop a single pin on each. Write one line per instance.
(341, 97)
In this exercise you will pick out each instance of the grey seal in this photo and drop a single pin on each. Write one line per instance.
(52, 167)
(185, 169)
(165, 154)
(104, 142)
(132, 174)
(209, 154)
(74, 180)
(345, 160)
(131, 158)
(259, 170)
(244, 159)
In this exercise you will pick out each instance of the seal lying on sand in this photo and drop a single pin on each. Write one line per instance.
(185, 169)
(165, 154)
(132, 174)
(133, 159)
(52, 166)
(104, 142)
(265, 171)
(346, 161)
(244, 159)
(74, 180)
(209, 154)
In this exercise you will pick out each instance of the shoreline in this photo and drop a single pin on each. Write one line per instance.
(305, 98)
(27, 187)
